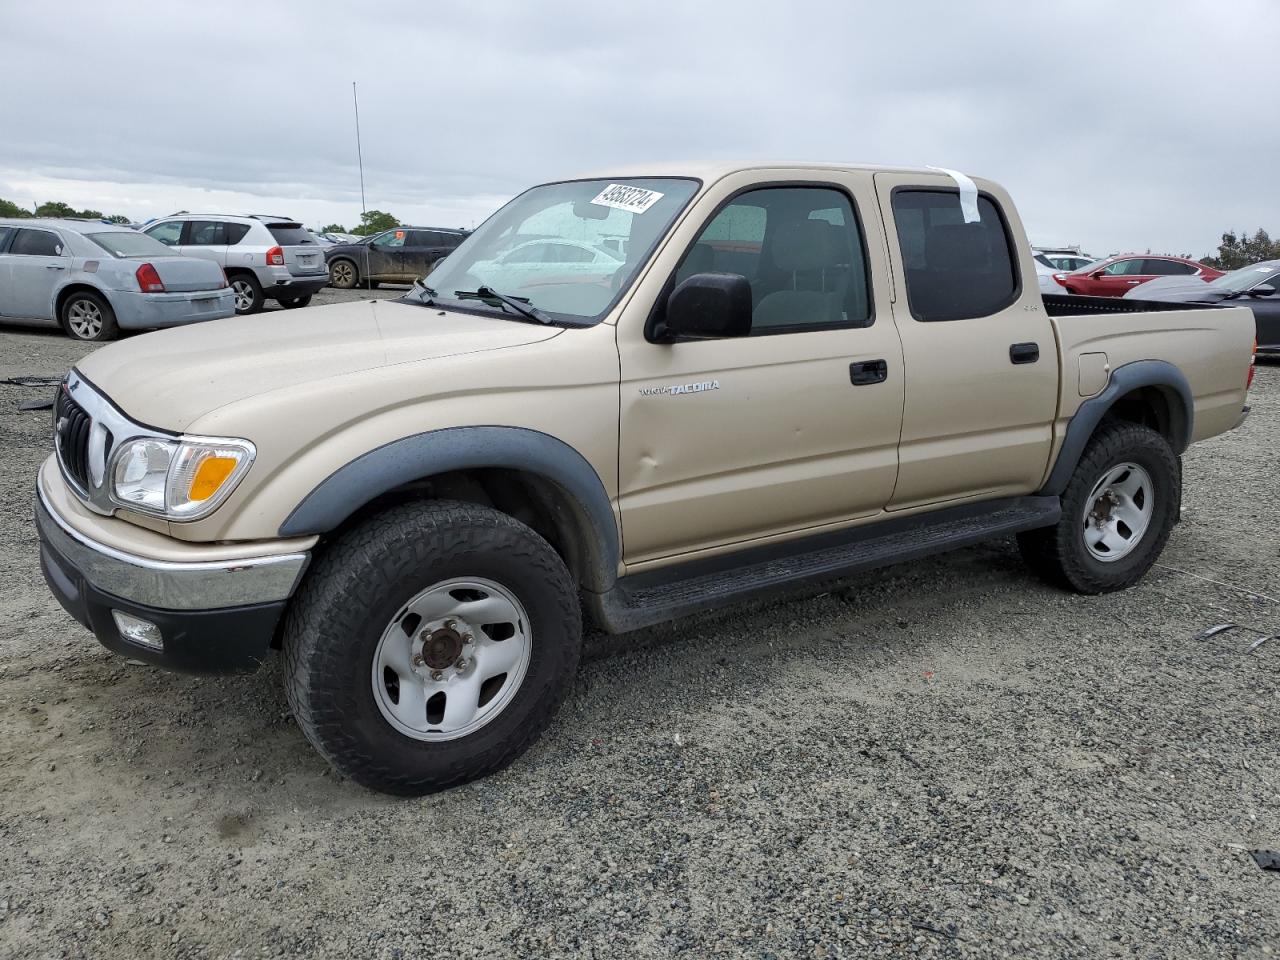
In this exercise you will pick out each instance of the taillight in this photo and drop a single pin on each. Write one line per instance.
(1253, 365)
(148, 280)
(1061, 278)
(275, 257)
(225, 281)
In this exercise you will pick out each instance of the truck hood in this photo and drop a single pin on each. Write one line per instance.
(171, 378)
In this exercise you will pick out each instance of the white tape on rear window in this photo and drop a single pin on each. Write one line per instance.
(968, 194)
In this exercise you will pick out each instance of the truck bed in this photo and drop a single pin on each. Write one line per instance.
(1069, 305)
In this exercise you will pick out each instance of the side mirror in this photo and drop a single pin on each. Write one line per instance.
(1262, 290)
(1098, 273)
(709, 306)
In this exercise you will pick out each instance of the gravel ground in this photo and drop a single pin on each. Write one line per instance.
(946, 759)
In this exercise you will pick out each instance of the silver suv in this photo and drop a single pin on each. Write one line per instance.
(265, 257)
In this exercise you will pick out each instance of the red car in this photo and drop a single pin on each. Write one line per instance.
(1116, 276)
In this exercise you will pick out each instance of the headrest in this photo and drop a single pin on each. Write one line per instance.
(806, 245)
(957, 246)
(701, 259)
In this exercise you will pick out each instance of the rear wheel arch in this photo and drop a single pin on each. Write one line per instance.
(1153, 393)
(63, 295)
(531, 476)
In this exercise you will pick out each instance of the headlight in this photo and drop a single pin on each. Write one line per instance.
(178, 479)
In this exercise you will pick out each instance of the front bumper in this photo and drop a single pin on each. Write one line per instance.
(215, 616)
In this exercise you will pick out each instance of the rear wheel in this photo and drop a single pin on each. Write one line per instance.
(248, 293)
(88, 317)
(343, 274)
(431, 645)
(1117, 512)
(295, 302)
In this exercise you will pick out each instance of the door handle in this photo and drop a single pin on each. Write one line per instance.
(1024, 352)
(868, 371)
(54, 266)
(1132, 282)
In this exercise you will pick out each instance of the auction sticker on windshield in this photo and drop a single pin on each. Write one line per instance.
(623, 197)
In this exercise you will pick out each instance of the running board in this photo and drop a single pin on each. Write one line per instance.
(644, 599)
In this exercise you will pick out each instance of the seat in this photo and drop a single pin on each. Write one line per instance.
(806, 254)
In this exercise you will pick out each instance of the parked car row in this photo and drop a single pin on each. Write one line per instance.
(1255, 286)
(1116, 276)
(96, 279)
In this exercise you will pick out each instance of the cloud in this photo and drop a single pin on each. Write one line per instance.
(1135, 126)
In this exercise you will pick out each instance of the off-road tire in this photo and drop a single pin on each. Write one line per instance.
(1059, 554)
(293, 303)
(78, 312)
(246, 285)
(355, 588)
(344, 274)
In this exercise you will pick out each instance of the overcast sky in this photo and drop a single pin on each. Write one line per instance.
(1135, 125)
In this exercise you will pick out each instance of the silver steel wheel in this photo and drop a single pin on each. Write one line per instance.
(85, 319)
(1119, 512)
(343, 274)
(452, 660)
(243, 291)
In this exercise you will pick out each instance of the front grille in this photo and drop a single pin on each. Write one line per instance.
(72, 426)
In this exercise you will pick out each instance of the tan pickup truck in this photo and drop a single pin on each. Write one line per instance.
(626, 398)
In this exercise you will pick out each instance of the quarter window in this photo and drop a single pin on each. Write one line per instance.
(36, 243)
(802, 251)
(236, 232)
(169, 233)
(954, 270)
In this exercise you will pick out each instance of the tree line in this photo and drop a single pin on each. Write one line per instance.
(56, 208)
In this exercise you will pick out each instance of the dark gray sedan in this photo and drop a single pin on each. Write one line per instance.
(1256, 287)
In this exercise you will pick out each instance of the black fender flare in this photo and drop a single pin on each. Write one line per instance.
(423, 455)
(1160, 374)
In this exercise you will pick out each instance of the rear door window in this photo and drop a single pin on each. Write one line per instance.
(36, 243)
(954, 270)
(207, 233)
(290, 234)
(1168, 268)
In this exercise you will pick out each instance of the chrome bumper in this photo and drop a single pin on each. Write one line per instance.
(168, 585)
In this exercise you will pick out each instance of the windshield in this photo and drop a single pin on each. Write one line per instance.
(569, 249)
(129, 243)
(1244, 278)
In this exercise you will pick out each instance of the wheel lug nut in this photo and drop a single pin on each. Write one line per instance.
(417, 660)
(468, 638)
(437, 675)
(464, 663)
(450, 624)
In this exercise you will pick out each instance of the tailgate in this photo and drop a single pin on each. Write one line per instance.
(303, 254)
(185, 274)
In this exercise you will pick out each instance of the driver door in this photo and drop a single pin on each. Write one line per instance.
(730, 441)
(383, 255)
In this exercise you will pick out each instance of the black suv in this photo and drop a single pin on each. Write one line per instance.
(400, 255)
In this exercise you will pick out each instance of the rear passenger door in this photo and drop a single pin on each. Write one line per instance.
(206, 239)
(977, 421)
(37, 263)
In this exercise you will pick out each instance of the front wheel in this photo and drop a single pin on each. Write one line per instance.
(1117, 512)
(343, 274)
(430, 646)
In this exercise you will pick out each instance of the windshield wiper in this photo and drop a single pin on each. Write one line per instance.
(519, 304)
(426, 296)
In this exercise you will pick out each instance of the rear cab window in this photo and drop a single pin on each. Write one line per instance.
(291, 234)
(954, 270)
